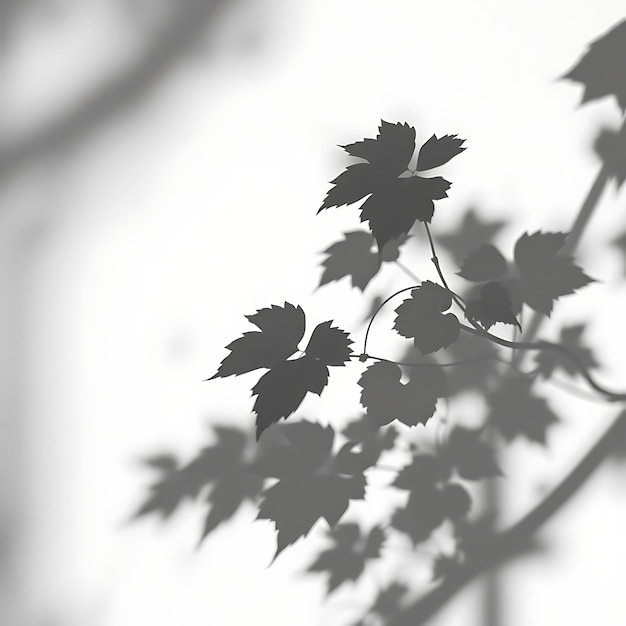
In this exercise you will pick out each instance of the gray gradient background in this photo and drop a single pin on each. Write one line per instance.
(143, 213)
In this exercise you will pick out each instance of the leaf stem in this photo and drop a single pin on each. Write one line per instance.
(378, 310)
(484, 357)
(555, 347)
(435, 260)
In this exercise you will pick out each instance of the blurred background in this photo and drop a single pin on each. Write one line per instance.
(161, 165)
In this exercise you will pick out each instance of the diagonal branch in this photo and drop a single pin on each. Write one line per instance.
(506, 545)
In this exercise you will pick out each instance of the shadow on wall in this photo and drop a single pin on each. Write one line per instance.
(320, 469)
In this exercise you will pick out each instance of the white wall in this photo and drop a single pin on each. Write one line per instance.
(130, 253)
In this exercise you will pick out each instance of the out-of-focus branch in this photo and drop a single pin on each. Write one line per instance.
(506, 545)
(187, 23)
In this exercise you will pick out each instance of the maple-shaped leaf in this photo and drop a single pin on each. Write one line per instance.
(421, 318)
(601, 68)
(432, 499)
(395, 202)
(437, 151)
(610, 146)
(517, 412)
(484, 264)
(473, 231)
(570, 338)
(546, 275)
(281, 329)
(371, 439)
(386, 398)
(492, 304)
(224, 467)
(310, 485)
(345, 560)
(353, 256)
(281, 390)
(470, 456)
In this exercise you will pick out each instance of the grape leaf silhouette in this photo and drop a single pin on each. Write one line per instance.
(353, 256)
(224, 466)
(484, 264)
(546, 275)
(345, 560)
(492, 304)
(282, 329)
(313, 482)
(281, 390)
(517, 412)
(372, 439)
(421, 318)
(386, 398)
(394, 202)
(432, 499)
(601, 69)
(472, 232)
(610, 146)
(541, 274)
(570, 338)
(466, 453)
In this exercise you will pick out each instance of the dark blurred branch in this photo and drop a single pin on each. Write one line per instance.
(506, 545)
(188, 22)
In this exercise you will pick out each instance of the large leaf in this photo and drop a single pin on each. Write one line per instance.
(310, 486)
(546, 275)
(395, 202)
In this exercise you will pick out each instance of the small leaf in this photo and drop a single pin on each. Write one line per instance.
(281, 390)
(546, 275)
(484, 264)
(329, 345)
(493, 304)
(470, 234)
(471, 457)
(436, 152)
(385, 398)
(517, 412)
(345, 560)
(309, 487)
(421, 318)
